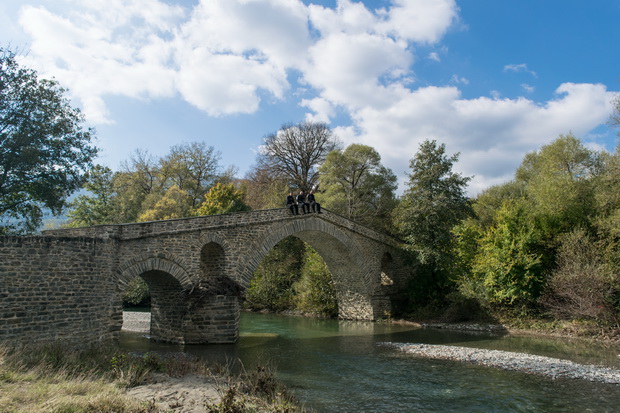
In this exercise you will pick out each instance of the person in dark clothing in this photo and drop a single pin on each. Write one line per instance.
(301, 200)
(291, 204)
(316, 207)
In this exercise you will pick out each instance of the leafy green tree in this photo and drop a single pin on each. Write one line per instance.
(194, 168)
(315, 292)
(560, 181)
(44, 150)
(356, 185)
(137, 294)
(174, 204)
(433, 203)
(221, 199)
(96, 207)
(608, 197)
(508, 262)
(137, 180)
(271, 287)
(296, 152)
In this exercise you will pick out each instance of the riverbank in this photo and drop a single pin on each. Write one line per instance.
(506, 360)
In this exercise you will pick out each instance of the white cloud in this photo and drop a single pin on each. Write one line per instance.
(434, 56)
(421, 21)
(491, 134)
(456, 79)
(519, 68)
(223, 55)
(527, 88)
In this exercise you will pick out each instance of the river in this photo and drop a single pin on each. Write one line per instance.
(339, 366)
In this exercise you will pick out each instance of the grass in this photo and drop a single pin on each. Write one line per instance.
(59, 380)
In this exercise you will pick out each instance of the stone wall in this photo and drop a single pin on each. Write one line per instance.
(55, 290)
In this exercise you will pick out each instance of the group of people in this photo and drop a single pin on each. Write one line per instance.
(307, 202)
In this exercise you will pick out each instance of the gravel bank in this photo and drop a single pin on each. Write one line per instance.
(547, 366)
(136, 321)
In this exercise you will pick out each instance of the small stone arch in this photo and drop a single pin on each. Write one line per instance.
(161, 263)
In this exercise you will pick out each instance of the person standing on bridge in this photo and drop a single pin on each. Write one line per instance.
(301, 200)
(291, 204)
(316, 207)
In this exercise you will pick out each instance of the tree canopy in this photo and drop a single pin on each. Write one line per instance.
(433, 203)
(355, 184)
(296, 152)
(44, 149)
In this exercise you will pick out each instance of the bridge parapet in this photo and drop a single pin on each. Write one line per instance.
(220, 221)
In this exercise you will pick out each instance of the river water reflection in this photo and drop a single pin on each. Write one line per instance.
(338, 366)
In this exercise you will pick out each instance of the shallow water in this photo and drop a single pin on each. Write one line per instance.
(337, 366)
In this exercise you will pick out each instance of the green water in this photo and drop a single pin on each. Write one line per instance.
(338, 366)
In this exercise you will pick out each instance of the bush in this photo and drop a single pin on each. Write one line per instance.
(584, 284)
(315, 292)
(271, 286)
(137, 294)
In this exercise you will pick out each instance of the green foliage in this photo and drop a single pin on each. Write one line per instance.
(315, 292)
(356, 185)
(433, 203)
(97, 207)
(271, 286)
(608, 196)
(508, 263)
(586, 282)
(193, 168)
(137, 294)
(174, 204)
(44, 151)
(221, 199)
(560, 182)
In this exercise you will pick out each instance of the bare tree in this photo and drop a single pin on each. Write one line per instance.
(297, 151)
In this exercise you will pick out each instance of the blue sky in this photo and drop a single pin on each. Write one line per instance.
(491, 79)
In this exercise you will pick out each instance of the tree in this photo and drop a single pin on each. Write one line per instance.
(174, 204)
(559, 179)
(221, 199)
(44, 150)
(509, 262)
(263, 189)
(96, 207)
(356, 185)
(296, 152)
(194, 168)
(433, 203)
(585, 284)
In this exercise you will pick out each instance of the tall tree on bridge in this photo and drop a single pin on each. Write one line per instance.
(297, 151)
(44, 150)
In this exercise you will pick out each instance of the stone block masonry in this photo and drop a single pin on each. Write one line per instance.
(67, 284)
(55, 290)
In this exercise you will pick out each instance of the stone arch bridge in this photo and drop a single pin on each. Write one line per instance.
(67, 284)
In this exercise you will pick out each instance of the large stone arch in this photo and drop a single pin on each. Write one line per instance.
(345, 259)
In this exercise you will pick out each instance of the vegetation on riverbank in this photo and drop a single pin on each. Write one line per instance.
(60, 380)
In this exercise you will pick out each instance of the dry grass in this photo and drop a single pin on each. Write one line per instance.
(52, 379)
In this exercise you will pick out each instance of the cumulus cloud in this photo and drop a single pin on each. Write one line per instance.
(223, 56)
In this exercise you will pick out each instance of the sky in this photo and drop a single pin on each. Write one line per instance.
(492, 80)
